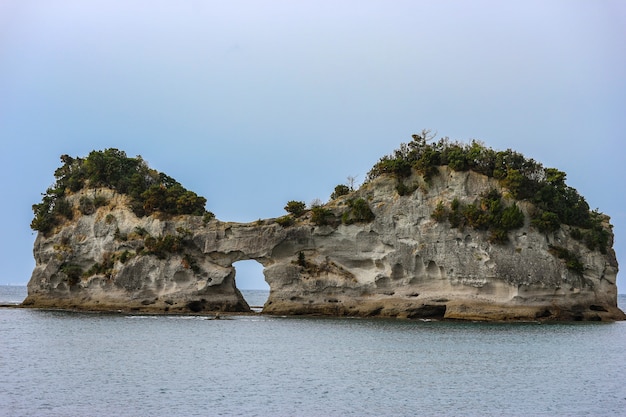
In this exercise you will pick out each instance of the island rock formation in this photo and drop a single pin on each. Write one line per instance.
(402, 263)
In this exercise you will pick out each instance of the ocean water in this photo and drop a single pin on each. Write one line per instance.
(86, 364)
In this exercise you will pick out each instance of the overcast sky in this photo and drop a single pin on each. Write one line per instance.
(254, 103)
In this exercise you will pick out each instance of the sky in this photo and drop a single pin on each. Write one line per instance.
(255, 103)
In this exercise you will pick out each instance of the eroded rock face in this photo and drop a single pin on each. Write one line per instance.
(402, 264)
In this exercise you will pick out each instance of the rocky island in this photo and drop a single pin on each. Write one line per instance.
(442, 230)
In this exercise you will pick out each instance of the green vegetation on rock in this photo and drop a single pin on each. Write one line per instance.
(285, 221)
(162, 246)
(339, 191)
(554, 202)
(490, 214)
(150, 191)
(572, 262)
(297, 208)
(321, 216)
(73, 273)
(358, 212)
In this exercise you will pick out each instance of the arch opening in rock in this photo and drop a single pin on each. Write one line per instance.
(250, 281)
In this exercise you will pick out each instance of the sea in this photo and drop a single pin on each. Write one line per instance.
(55, 363)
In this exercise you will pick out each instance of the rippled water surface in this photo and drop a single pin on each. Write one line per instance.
(80, 364)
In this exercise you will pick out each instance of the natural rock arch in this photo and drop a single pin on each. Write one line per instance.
(251, 283)
(249, 275)
(403, 263)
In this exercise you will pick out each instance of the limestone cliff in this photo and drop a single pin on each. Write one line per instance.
(403, 263)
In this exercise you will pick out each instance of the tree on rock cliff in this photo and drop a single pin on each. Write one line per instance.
(524, 178)
(297, 208)
(149, 190)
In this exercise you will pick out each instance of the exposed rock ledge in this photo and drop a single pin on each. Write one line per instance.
(402, 264)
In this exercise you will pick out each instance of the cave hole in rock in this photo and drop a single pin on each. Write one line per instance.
(250, 280)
